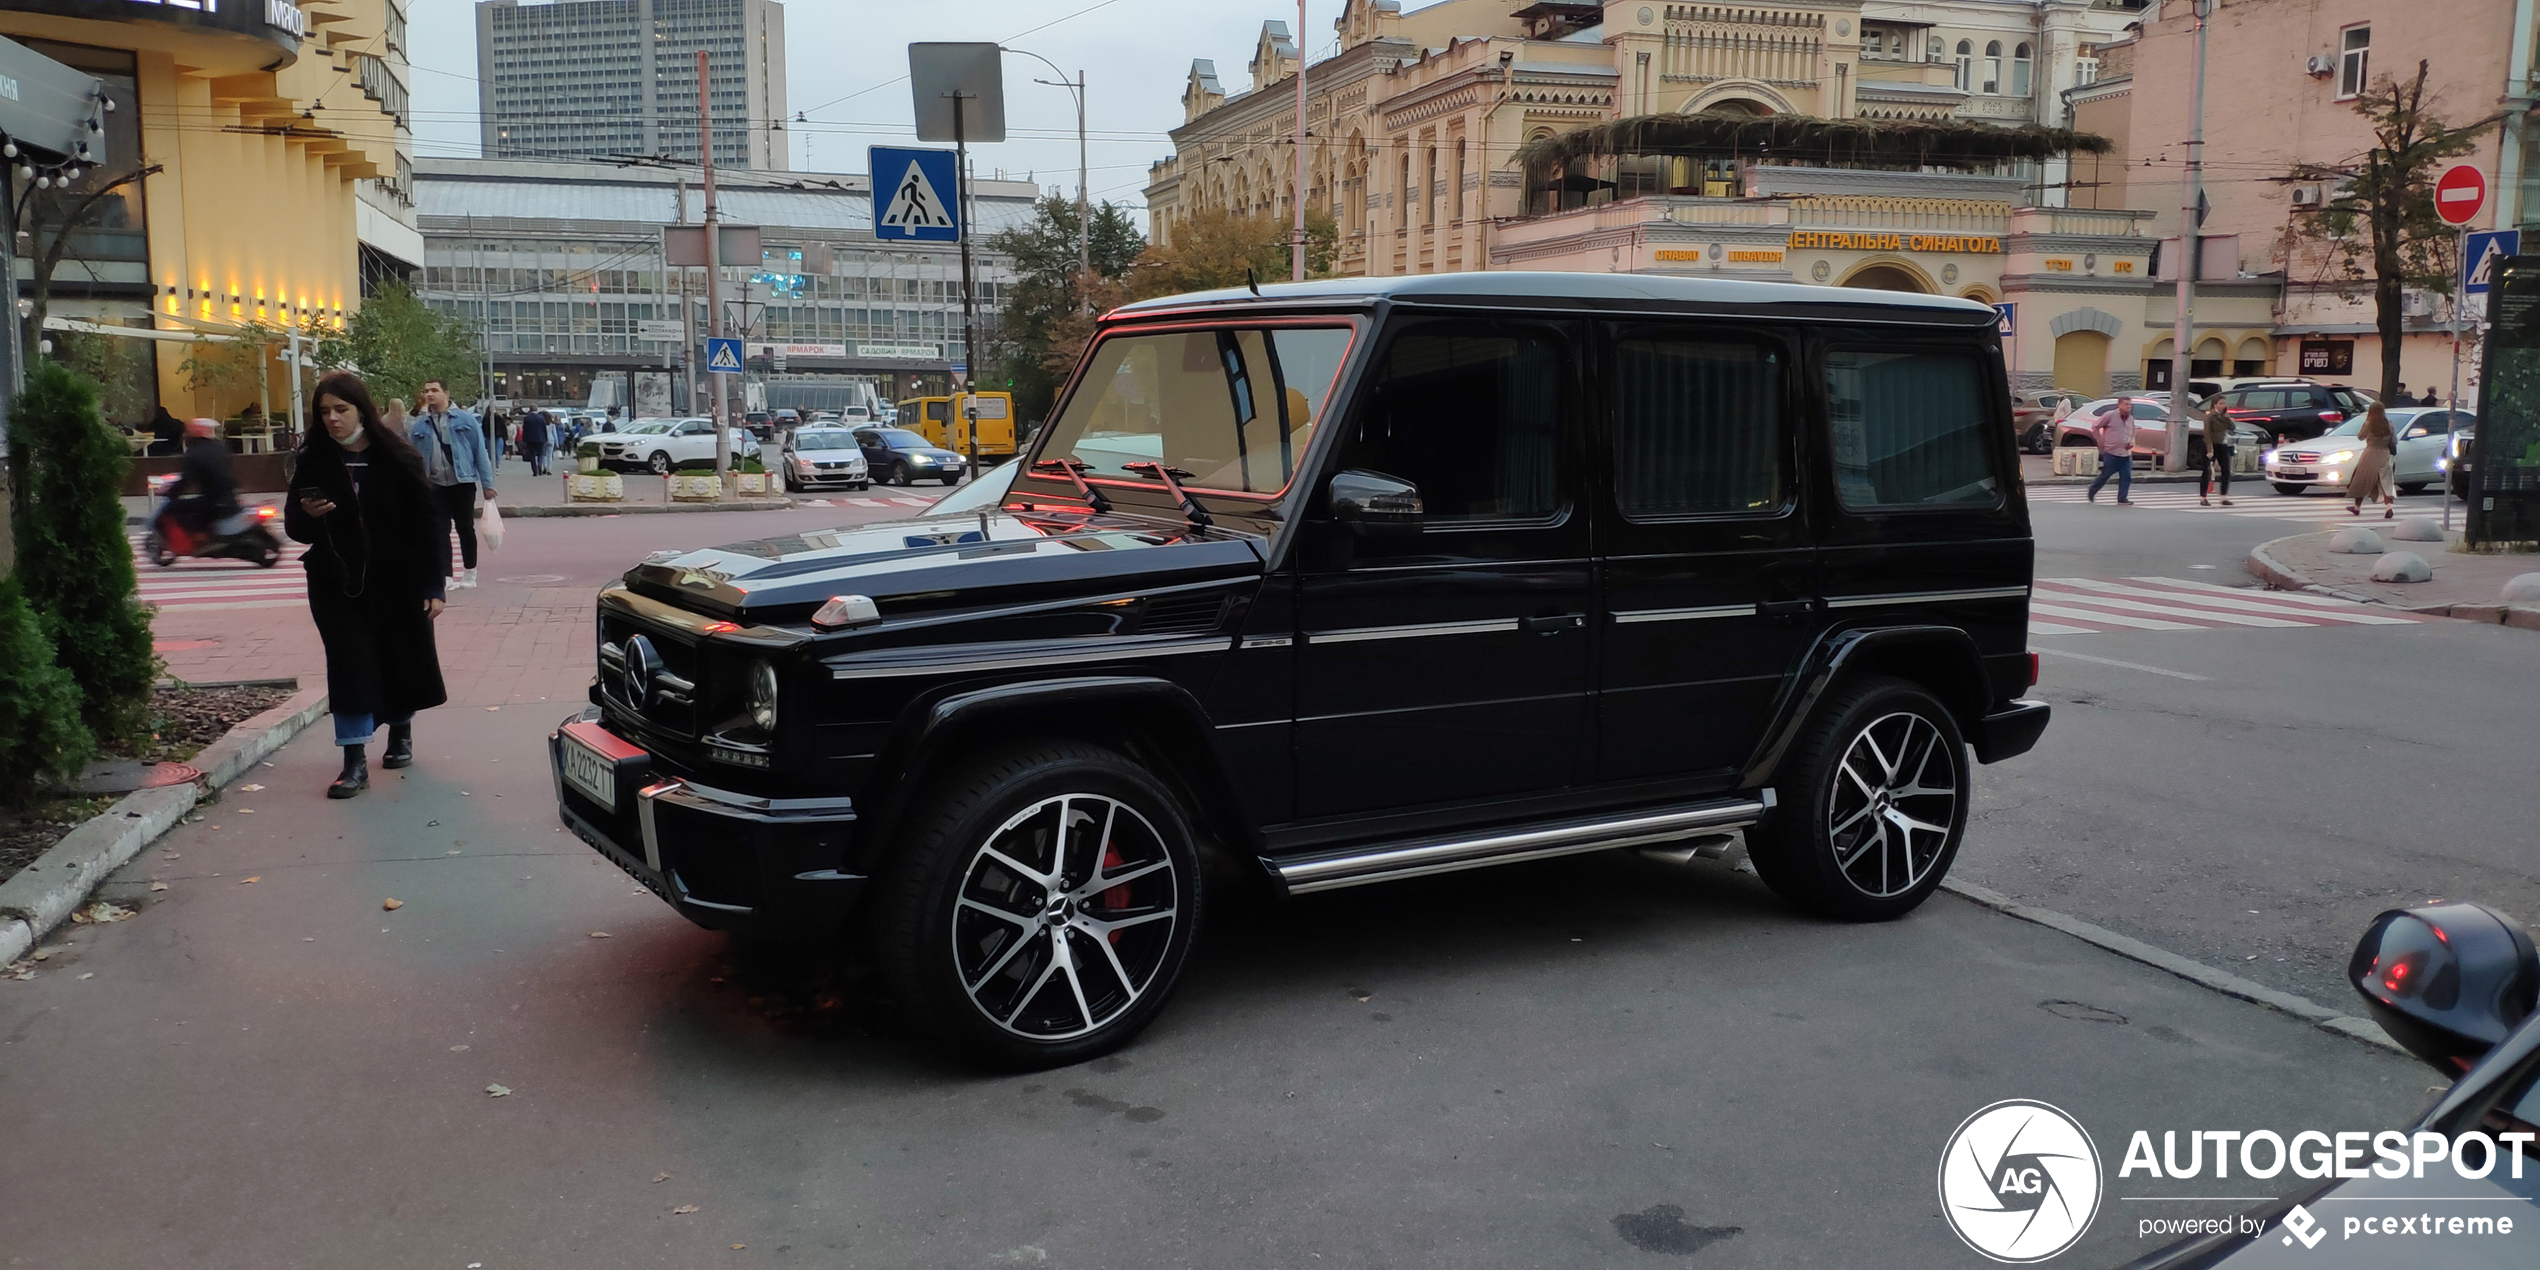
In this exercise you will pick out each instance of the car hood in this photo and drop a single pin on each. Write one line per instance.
(908, 566)
(2325, 445)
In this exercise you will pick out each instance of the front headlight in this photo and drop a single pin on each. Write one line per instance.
(763, 696)
(921, 460)
(2338, 457)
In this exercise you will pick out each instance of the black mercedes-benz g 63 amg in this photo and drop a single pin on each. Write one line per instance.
(1354, 581)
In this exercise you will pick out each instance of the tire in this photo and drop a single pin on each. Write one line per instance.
(792, 486)
(898, 475)
(954, 479)
(2294, 491)
(2072, 440)
(968, 921)
(2414, 487)
(1873, 755)
(659, 464)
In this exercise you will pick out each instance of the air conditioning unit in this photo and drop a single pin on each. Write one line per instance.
(2306, 196)
(2323, 64)
(2414, 302)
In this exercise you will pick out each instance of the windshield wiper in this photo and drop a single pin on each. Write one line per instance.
(1190, 506)
(1075, 470)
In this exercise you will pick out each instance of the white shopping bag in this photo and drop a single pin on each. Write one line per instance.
(490, 526)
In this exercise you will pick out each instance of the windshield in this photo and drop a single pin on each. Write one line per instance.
(2351, 428)
(832, 440)
(1235, 407)
(987, 491)
(900, 438)
(651, 425)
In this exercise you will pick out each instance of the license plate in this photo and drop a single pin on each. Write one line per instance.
(2290, 472)
(590, 771)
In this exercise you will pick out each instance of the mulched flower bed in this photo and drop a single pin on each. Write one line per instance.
(188, 719)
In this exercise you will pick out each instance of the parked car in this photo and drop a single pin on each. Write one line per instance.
(1379, 623)
(2460, 459)
(2425, 439)
(2453, 984)
(664, 445)
(761, 423)
(2291, 409)
(817, 458)
(2033, 410)
(2151, 428)
(898, 456)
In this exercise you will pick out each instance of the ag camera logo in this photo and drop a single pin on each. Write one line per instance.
(2019, 1181)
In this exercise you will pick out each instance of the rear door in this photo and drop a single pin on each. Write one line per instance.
(1451, 666)
(1710, 583)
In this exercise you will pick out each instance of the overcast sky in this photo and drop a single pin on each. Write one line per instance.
(847, 61)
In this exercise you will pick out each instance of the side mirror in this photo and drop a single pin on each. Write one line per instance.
(2448, 981)
(1372, 504)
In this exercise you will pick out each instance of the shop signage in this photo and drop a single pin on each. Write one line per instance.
(912, 352)
(280, 21)
(2328, 357)
(1839, 240)
(1670, 256)
(1772, 257)
(798, 350)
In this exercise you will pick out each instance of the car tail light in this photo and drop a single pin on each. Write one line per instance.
(2332, 416)
(2032, 672)
(265, 513)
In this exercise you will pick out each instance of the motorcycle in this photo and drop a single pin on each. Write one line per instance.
(168, 539)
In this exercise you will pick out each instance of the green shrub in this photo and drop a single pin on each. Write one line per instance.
(73, 559)
(40, 731)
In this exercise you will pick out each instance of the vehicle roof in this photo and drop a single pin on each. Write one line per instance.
(1604, 289)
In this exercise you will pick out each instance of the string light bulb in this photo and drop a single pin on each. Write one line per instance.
(9, 149)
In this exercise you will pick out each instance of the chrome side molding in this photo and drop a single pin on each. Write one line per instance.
(1386, 862)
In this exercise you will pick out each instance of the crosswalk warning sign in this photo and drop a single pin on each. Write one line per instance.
(723, 356)
(911, 195)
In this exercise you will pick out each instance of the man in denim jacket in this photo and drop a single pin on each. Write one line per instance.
(455, 464)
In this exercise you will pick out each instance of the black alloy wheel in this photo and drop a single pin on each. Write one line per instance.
(899, 475)
(1040, 912)
(1874, 802)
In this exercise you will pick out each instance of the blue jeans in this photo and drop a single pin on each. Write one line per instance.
(2120, 466)
(355, 729)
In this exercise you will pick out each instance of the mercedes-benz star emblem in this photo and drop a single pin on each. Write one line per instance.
(635, 675)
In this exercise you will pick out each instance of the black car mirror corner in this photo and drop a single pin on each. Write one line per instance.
(1372, 504)
(2447, 981)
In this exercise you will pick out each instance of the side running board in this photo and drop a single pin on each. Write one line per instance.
(1418, 857)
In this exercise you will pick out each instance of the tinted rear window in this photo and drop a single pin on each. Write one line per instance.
(1909, 429)
(2261, 399)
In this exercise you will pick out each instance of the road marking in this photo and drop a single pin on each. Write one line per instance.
(2124, 665)
(2050, 628)
(2139, 606)
(2289, 597)
(2243, 603)
(2113, 619)
(2089, 606)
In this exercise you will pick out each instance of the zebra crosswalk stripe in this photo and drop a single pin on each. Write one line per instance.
(2113, 619)
(2085, 606)
(2235, 603)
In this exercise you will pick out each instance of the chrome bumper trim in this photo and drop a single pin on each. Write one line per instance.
(1628, 616)
(1356, 634)
(1417, 859)
(1054, 657)
(1927, 597)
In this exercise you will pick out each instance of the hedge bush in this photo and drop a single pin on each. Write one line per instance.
(40, 731)
(73, 559)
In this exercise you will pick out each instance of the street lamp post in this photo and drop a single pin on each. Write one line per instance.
(2182, 324)
(1084, 226)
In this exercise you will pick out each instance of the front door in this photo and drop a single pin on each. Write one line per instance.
(1710, 593)
(1451, 666)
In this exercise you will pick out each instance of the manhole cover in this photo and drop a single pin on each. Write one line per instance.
(183, 645)
(122, 776)
(533, 579)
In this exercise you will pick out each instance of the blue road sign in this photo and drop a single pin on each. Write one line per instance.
(2010, 319)
(723, 357)
(2481, 255)
(914, 195)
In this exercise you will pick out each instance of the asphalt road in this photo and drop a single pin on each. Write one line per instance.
(1582, 1062)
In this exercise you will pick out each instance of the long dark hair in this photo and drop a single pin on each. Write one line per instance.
(348, 388)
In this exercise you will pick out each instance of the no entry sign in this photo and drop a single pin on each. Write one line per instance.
(2459, 193)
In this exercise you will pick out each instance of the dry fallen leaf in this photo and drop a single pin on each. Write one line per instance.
(498, 1091)
(173, 856)
(89, 975)
(249, 789)
(683, 1210)
(392, 905)
(245, 881)
(246, 811)
(738, 1247)
(158, 886)
(599, 934)
(458, 1049)
(660, 1178)
(43, 954)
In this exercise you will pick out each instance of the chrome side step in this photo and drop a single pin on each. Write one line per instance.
(1419, 857)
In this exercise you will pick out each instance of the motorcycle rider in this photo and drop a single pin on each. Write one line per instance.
(207, 478)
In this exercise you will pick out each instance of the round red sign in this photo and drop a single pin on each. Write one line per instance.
(2459, 193)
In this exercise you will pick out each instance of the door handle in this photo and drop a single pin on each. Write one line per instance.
(1786, 608)
(1552, 624)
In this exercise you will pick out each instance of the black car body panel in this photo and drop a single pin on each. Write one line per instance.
(2295, 410)
(1531, 656)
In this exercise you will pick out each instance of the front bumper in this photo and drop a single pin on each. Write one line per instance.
(2010, 732)
(757, 866)
(831, 476)
(2317, 475)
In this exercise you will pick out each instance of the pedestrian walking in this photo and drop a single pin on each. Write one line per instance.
(533, 440)
(456, 465)
(375, 567)
(2115, 433)
(2219, 452)
(2371, 478)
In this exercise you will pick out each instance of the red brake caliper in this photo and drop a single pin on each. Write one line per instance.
(1118, 896)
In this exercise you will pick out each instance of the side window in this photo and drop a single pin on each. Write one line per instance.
(1697, 427)
(1471, 414)
(1909, 429)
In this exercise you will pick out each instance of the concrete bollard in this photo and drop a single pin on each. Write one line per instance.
(2355, 542)
(2415, 529)
(2402, 566)
(2522, 590)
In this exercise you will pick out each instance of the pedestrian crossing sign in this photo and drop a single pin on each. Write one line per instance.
(723, 357)
(915, 198)
(2483, 253)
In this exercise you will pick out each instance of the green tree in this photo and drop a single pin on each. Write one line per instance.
(2379, 226)
(232, 370)
(40, 731)
(52, 222)
(1216, 248)
(125, 370)
(1046, 290)
(67, 467)
(395, 342)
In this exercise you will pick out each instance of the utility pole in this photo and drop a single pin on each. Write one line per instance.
(1296, 244)
(2190, 260)
(714, 276)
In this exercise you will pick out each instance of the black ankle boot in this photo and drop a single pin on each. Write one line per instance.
(401, 747)
(356, 776)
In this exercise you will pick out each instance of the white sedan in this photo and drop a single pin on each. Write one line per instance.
(664, 445)
(2323, 461)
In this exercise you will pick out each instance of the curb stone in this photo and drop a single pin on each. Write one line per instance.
(2282, 579)
(2196, 972)
(45, 893)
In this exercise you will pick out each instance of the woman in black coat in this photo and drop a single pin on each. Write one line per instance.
(374, 560)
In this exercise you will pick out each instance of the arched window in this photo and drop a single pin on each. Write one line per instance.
(1993, 67)
(2020, 71)
(1966, 67)
(1936, 53)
